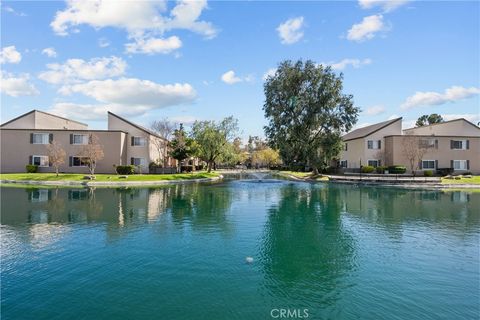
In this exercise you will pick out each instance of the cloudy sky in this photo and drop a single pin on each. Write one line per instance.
(197, 60)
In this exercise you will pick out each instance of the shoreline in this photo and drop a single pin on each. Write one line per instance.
(74, 184)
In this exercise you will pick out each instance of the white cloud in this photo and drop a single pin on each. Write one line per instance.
(393, 116)
(355, 63)
(16, 85)
(386, 5)
(431, 98)
(13, 11)
(76, 70)
(154, 45)
(291, 30)
(10, 55)
(366, 29)
(134, 92)
(229, 77)
(269, 73)
(372, 111)
(136, 18)
(184, 119)
(50, 52)
(103, 42)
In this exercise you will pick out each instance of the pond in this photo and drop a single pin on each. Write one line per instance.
(320, 251)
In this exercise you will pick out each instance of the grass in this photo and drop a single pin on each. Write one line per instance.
(105, 177)
(303, 175)
(472, 180)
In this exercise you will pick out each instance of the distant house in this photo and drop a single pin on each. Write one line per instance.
(452, 144)
(24, 140)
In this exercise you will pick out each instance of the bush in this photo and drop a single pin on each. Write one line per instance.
(368, 169)
(380, 169)
(199, 167)
(130, 169)
(428, 173)
(397, 169)
(31, 168)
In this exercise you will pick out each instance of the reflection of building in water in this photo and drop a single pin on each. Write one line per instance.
(43, 234)
(157, 203)
(39, 195)
(38, 216)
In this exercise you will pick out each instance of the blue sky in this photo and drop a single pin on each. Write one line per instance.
(197, 60)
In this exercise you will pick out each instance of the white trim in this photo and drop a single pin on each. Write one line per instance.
(40, 156)
(465, 165)
(434, 164)
(43, 133)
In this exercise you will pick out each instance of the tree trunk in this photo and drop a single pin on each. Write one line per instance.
(209, 166)
(56, 171)
(314, 171)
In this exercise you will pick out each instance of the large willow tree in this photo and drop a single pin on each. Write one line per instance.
(307, 112)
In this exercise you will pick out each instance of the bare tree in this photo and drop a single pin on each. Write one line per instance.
(91, 153)
(165, 129)
(56, 155)
(413, 150)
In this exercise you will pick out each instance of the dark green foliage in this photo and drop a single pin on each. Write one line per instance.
(397, 169)
(130, 169)
(307, 112)
(31, 168)
(368, 169)
(428, 119)
(380, 169)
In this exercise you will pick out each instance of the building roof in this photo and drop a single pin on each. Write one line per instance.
(136, 125)
(440, 123)
(368, 130)
(49, 114)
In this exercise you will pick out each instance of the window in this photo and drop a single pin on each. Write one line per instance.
(78, 162)
(41, 161)
(79, 139)
(460, 164)
(374, 163)
(428, 143)
(345, 147)
(459, 144)
(428, 164)
(39, 195)
(40, 138)
(343, 164)
(138, 161)
(374, 144)
(139, 141)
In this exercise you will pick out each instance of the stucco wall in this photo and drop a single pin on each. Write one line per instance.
(46, 121)
(443, 154)
(26, 122)
(16, 150)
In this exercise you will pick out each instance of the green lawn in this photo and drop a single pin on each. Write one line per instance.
(472, 180)
(303, 175)
(104, 177)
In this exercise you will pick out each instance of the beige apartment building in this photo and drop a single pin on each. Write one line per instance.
(451, 144)
(24, 140)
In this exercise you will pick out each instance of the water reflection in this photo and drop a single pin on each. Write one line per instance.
(305, 246)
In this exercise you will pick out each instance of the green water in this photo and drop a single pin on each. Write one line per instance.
(178, 252)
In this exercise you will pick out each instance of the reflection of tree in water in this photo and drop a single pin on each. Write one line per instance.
(305, 248)
(201, 205)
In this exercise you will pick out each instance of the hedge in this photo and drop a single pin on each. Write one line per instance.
(130, 169)
(397, 169)
(31, 168)
(368, 169)
(380, 169)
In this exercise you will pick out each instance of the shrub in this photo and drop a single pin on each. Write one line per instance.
(31, 168)
(428, 173)
(367, 169)
(380, 169)
(130, 169)
(397, 169)
(199, 167)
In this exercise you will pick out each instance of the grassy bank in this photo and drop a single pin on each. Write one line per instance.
(105, 177)
(462, 180)
(303, 175)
